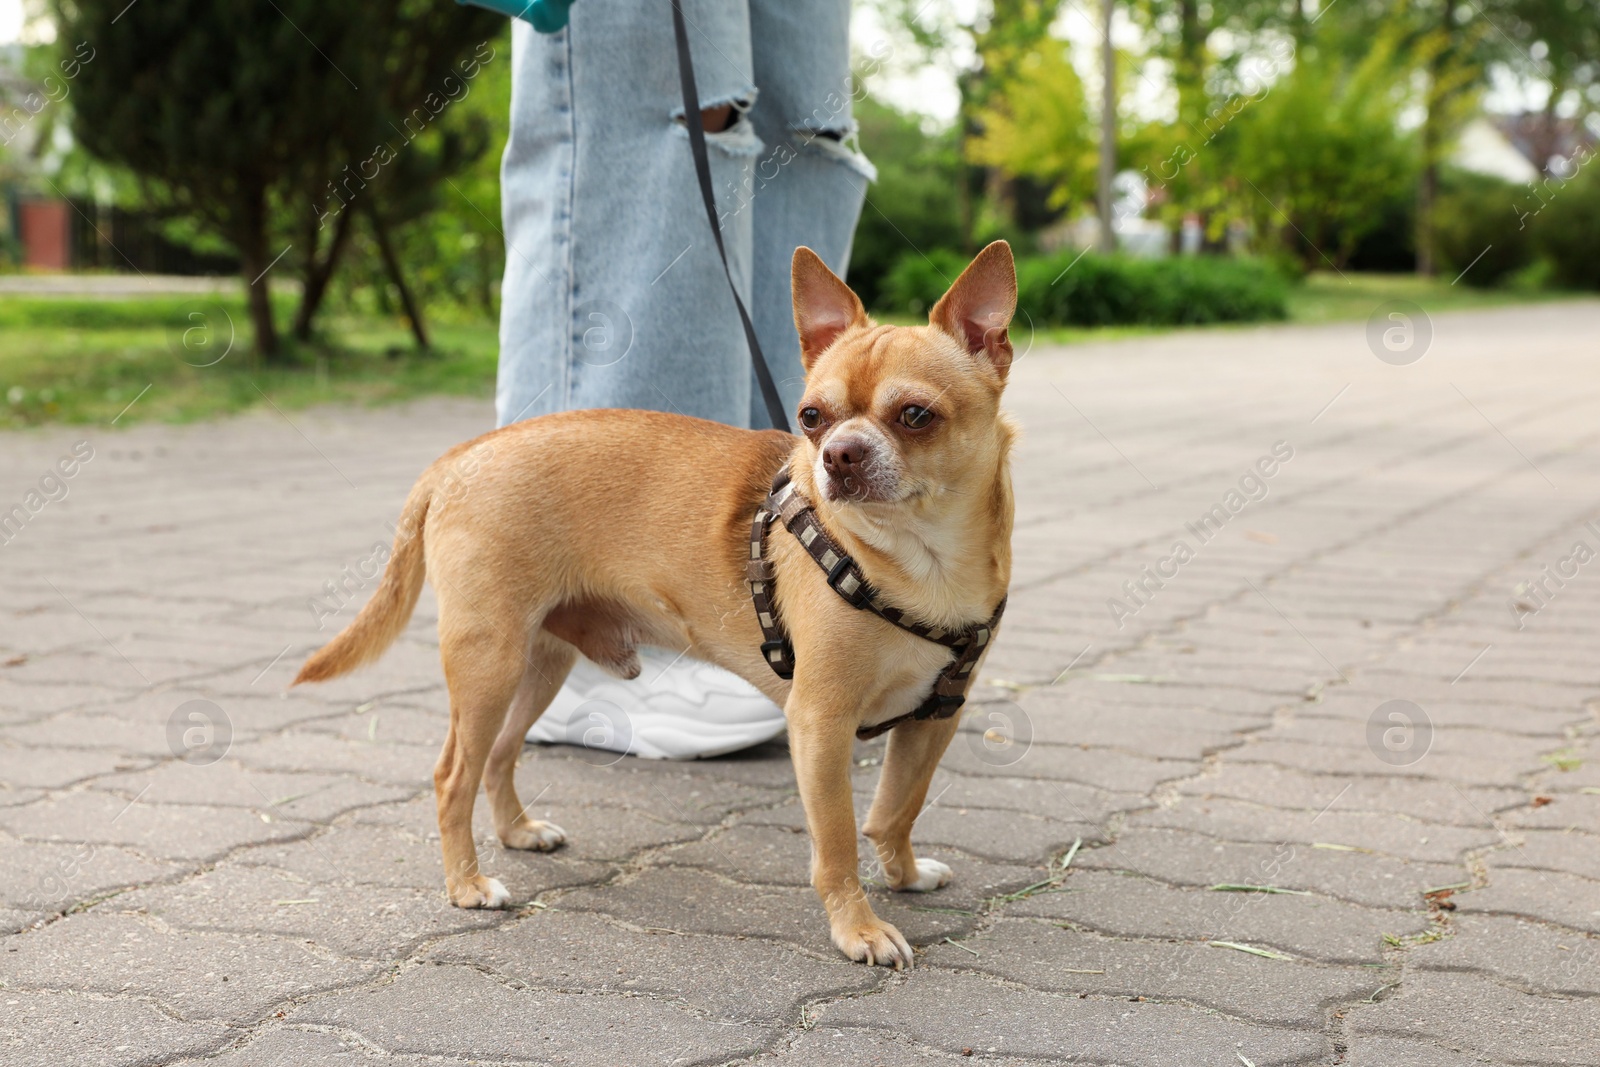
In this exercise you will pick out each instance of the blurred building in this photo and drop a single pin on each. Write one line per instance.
(1521, 148)
(41, 229)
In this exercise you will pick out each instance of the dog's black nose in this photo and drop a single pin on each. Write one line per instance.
(844, 456)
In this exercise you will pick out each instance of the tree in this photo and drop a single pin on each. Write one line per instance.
(236, 112)
(1564, 52)
(1318, 155)
(913, 205)
(1037, 125)
(983, 52)
(424, 134)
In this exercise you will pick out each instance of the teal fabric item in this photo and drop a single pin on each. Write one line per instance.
(546, 16)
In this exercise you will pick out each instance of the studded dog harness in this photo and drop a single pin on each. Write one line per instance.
(845, 578)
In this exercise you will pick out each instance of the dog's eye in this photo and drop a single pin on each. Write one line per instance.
(915, 418)
(811, 418)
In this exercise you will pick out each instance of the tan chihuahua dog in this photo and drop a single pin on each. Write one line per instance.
(598, 531)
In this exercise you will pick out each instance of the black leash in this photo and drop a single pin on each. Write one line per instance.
(702, 168)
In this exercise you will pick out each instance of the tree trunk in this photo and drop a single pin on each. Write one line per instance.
(391, 265)
(1190, 73)
(1108, 131)
(1549, 140)
(318, 274)
(1433, 145)
(254, 263)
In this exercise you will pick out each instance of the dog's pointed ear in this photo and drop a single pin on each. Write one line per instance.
(978, 308)
(824, 306)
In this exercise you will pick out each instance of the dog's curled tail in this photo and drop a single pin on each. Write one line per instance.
(384, 616)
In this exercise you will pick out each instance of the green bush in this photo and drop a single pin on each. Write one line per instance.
(1094, 290)
(917, 281)
(1477, 229)
(916, 201)
(1567, 230)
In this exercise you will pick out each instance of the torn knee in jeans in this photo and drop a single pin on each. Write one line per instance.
(717, 119)
(726, 122)
(838, 143)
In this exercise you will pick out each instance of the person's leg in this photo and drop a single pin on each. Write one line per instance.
(614, 297)
(810, 179)
(613, 293)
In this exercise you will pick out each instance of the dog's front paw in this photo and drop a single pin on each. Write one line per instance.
(479, 892)
(875, 943)
(538, 836)
(931, 875)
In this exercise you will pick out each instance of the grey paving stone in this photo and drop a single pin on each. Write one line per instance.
(1057, 717)
(1102, 768)
(51, 1029)
(747, 982)
(403, 765)
(1243, 985)
(10, 797)
(56, 768)
(1311, 927)
(1003, 836)
(1455, 719)
(826, 1046)
(50, 876)
(1566, 811)
(1452, 1009)
(953, 1012)
(1190, 859)
(1054, 799)
(382, 721)
(754, 854)
(264, 709)
(287, 1046)
(186, 832)
(226, 783)
(95, 664)
(595, 833)
(369, 922)
(1417, 798)
(687, 901)
(1391, 833)
(191, 974)
(1551, 896)
(1399, 1052)
(462, 1012)
(357, 854)
(89, 731)
(1532, 955)
(1435, 765)
(1551, 850)
(13, 920)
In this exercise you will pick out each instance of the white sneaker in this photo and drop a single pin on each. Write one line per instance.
(678, 708)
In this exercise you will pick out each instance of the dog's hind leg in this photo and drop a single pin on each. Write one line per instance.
(548, 662)
(484, 661)
(908, 764)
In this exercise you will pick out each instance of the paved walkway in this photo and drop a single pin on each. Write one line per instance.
(1185, 735)
(104, 286)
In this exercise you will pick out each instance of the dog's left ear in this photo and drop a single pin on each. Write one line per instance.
(978, 308)
(824, 306)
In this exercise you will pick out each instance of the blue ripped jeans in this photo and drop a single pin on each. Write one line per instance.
(613, 294)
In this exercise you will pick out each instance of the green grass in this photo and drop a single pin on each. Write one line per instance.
(1326, 297)
(78, 360)
(86, 361)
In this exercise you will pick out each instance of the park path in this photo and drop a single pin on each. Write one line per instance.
(1228, 718)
